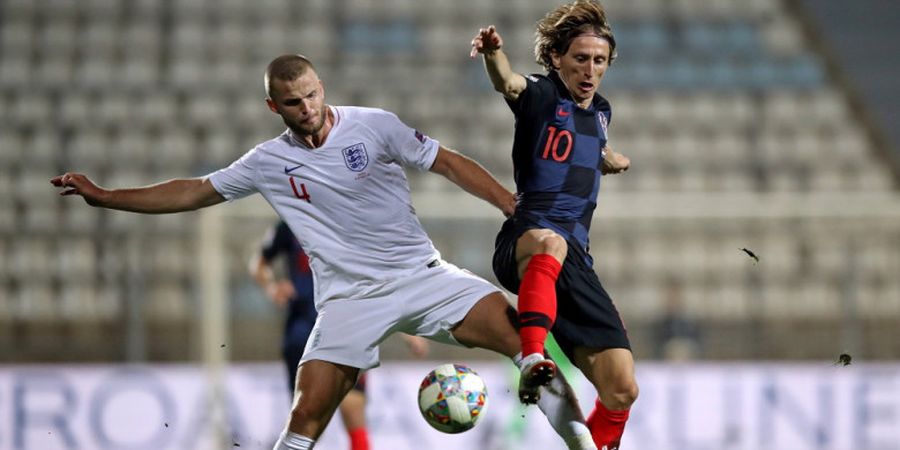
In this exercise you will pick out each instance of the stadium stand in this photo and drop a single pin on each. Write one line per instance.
(730, 117)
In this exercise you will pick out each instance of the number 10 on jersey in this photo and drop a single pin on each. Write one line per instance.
(551, 148)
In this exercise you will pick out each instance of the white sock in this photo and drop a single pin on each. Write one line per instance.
(293, 441)
(559, 404)
(521, 361)
(517, 360)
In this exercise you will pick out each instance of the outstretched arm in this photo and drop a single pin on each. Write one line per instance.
(166, 197)
(279, 291)
(489, 43)
(475, 179)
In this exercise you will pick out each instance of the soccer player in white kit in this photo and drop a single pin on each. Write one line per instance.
(335, 177)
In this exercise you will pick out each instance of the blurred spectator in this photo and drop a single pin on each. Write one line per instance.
(676, 335)
(297, 295)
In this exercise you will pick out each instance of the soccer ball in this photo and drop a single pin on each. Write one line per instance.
(452, 398)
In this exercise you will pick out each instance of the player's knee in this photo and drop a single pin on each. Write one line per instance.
(555, 245)
(622, 396)
(305, 414)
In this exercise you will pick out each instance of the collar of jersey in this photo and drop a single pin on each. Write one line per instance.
(337, 120)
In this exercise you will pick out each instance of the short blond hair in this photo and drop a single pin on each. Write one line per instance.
(286, 68)
(559, 27)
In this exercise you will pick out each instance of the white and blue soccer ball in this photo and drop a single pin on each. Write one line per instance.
(452, 398)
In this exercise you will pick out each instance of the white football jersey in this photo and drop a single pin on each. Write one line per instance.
(347, 201)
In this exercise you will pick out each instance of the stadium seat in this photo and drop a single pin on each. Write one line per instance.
(15, 72)
(88, 149)
(58, 38)
(76, 109)
(149, 10)
(113, 108)
(108, 302)
(8, 225)
(166, 302)
(7, 186)
(95, 73)
(78, 220)
(98, 37)
(35, 301)
(30, 258)
(30, 109)
(137, 71)
(725, 302)
(19, 10)
(17, 40)
(192, 10)
(781, 37)
(76, 302)
(112, 255)
(142, 37)
(76, 259)
(156, 109)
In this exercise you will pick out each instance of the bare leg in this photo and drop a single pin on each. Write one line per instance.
(353, 412)
(611, 371)
(489, 325)
(321, 386)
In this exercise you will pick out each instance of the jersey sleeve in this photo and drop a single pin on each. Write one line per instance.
(606, 109)
(539, 90)
(406, 145)
(276, 241)
(237, 180)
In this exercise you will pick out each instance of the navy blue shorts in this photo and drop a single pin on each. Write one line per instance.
(585, 314)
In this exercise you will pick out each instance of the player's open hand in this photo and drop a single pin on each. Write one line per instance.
(78, 184)
(418, 346)
(280, 292)
(486, 41)
(614, 162)
(508, 206)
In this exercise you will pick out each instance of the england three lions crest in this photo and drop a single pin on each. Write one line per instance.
(355, 157)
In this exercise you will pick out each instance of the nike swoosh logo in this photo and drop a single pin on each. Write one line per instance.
(289, 170)
(562, 112)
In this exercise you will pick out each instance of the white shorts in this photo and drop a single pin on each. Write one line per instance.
(426, 303)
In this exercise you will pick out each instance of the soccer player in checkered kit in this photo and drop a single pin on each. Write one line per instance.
(336, 177)
(559, 153)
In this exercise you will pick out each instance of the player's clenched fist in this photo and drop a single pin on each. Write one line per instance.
(487, 40)
(614, 162)
(76, 183)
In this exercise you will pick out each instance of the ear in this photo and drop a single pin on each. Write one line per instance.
(555, 59)
(271, 104)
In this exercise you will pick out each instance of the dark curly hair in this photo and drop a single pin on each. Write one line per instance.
(559, 27)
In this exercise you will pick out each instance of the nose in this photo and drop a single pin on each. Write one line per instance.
(305, 107)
